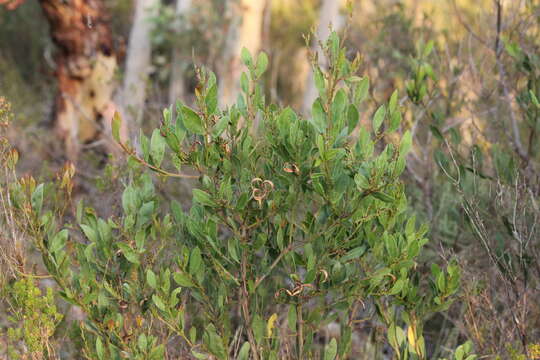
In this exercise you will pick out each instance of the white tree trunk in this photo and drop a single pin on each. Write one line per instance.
(248, 34)
(328, 16)
(137, 64)
(177, 87)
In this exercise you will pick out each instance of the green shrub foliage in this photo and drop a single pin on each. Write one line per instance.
(296, 223)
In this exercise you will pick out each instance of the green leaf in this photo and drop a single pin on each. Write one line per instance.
(398, 286)
(392, 104)
(395, 120)
(330, 350)
(352, 117)
(211, 99)
(145, 212)
(90, 233)
(378, 118)
(534, 99)
(151, 279)
(214, 342)
(244, 83)
(436, 132)
(195, 260)
(182, 280)
(142, 342)
(192, 121)
(129, 200)
(428, 49)
(159, 302)
(383, 197)
(37, 199)
(157, 147)
(362, 181)
(116, 123)
(406, 142)
(338, 105)
(319, 81)
(318, 116)
(58, 241)
(354, 253)
(291, 317)
(203, 198)
(129, 253)
(333, 42)
(243, 354)
(513, 49)
(199, 355)
(362, 90)
(100, 351)
(262, 64)
(258, 327)
(246, 57)
(220, 126)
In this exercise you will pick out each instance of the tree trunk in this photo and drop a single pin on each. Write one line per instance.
(328, 16)
(138, 59)
(177, 87)
(85, 66)
(246, 34)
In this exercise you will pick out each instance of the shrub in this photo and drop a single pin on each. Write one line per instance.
(296, 224)
(33, 319)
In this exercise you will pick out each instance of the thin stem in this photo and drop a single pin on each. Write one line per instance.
(300, 327)
(244, 301)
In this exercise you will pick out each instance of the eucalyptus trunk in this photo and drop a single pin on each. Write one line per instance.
(138, 62)
(85, 66)
(247, 32)
(177, 87)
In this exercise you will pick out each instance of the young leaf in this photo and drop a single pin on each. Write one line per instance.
(262, 64)
(37, 199)
(116, 123)
(392, 104)
(246, 57)
(378, 118)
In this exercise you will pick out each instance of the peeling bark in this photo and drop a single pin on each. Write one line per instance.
(85, 66)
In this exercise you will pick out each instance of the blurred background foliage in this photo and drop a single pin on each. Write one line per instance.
(468, 75)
